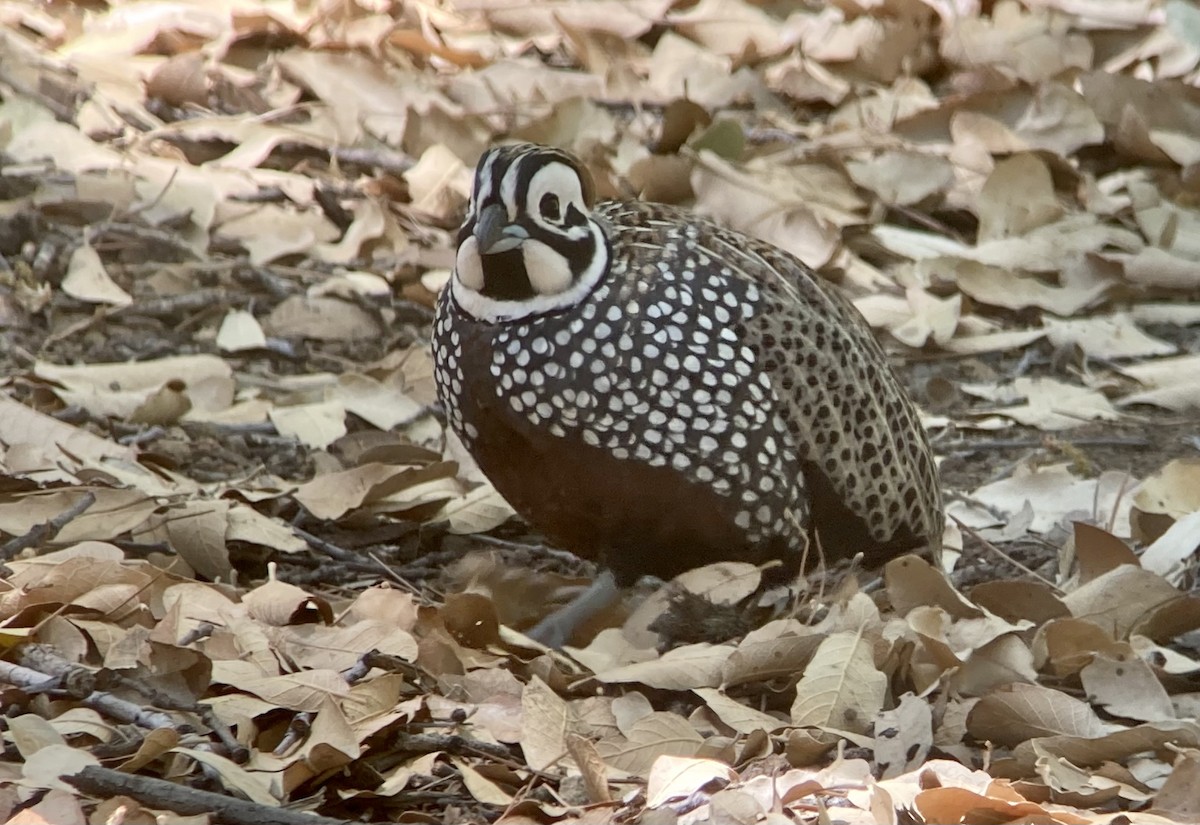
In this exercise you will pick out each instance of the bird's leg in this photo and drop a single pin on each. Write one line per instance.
(554, 630)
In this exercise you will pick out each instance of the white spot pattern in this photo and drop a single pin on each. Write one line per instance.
(667, 361)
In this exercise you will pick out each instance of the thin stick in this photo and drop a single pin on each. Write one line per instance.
(973, 533)
(47, 530)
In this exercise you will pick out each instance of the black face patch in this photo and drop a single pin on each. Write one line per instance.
(505, 278)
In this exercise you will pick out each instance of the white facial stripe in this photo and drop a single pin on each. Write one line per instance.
(483, 185)
(508, 190)
(559, 180)
(483, 308)
(575, 233)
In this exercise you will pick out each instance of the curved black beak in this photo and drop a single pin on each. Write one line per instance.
(494, 233)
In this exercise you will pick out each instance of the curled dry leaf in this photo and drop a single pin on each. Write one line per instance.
(770, 653)
(164, 407)
(1098, 551)
(912, 582)
(280, 604)
(88, 280)
(738, 716)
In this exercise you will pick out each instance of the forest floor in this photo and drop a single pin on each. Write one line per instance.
(246, 580)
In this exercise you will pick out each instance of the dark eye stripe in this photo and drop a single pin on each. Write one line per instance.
(573, 216)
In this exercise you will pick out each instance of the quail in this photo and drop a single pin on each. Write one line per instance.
(657, 392)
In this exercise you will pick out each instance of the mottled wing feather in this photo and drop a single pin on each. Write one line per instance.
(845, 408)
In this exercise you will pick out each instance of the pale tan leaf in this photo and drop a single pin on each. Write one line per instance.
(1125, 686)
(680, 777)
(1121, 598)
(317, 425)
(1013, 714)
(240, 331)
(841, 688)
(478, 511)
(902, 178)
(321, 318)
(1060, 495)
(903, 736)
(1017, 197)
(737, 715)
(1001, 286)
(118, 389)
(652, 736)
(1172, 383)
(47, 767)
(730, 27)
(31, 733)
(89, 281)
(683, 668)
(1112, 336)
(440, 183)
(547, 721)
(1054, 405)
(279, 603)
(254, 785)
(302, 691)
(384, 404)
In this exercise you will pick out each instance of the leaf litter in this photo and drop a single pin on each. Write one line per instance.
(246, 576)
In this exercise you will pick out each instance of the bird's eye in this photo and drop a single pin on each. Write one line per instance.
(550, 208)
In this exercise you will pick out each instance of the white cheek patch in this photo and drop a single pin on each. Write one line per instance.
(548, 271)
(482, 308)
(468, 266)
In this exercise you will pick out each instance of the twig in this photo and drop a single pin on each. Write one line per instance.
(141, 436)
(1112, 517)
(299, 727)
(973, 533)
(47, 530)
(104, 783)
(184, 303)
(326, 547)
(461, 745)
(563, 556)
(378, 157)
(119, 709)
(200, 631)
(234, 749)
(450, 743)
(965, 446)
(394, 576)
(116, 234)
(109, 679)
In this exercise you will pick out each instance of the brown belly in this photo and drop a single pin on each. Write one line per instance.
(631, 517)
